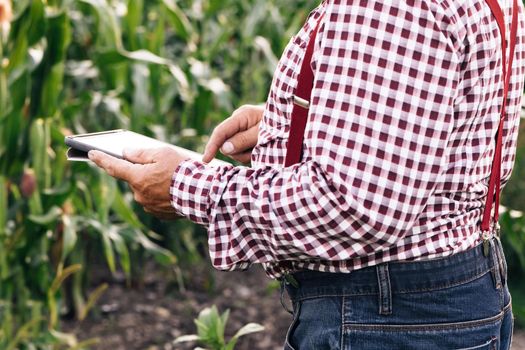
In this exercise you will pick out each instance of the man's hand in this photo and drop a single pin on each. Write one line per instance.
(236, 136)
(148, 172)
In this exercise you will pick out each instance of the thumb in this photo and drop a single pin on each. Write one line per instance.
(241, 142)
(139, 156)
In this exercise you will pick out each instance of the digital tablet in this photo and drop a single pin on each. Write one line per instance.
(114, 142)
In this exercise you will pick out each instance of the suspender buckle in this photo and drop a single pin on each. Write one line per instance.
(301, 102)
(497, 229)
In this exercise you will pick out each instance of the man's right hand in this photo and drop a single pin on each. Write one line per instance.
(237, 135)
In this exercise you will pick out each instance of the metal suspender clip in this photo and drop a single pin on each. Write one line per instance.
(486, 243)
(301, 102)
(487, 236)
(290, 280)
(497, 229)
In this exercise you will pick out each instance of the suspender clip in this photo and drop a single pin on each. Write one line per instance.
(301, 102)
(497, 229)
(486, 243)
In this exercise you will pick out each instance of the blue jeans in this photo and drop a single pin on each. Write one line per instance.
(457, 302)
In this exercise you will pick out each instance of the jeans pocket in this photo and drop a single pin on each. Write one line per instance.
(490, 345)
(476, 334)
(288, 344)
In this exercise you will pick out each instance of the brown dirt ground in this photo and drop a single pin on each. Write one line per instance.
(151, 317)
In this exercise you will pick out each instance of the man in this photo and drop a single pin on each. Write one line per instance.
(378, 229)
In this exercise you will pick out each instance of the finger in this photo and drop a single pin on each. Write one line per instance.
(244, 158)
(140, 156)
(241, 142)
(221, 133)
(241, 119)
(118, 168)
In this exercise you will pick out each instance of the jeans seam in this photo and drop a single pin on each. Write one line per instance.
(428, 327)
(490, 342)
(292, 325)
(451, 285)
(343, 313)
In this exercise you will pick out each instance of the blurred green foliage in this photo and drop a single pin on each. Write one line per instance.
(166, 68)
(171, 69)
(513, 229)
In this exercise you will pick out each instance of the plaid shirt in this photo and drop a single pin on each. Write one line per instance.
(398, 147)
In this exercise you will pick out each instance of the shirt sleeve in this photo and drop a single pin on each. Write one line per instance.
(375, 144)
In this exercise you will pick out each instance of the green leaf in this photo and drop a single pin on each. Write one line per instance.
(186, 338)
(108, 250)
(109, 34)
(145, 56)
(123, 252)
(47, 219)
(69, 236)
(133, 20)
(161, 255)
(65, 338)
(178, 19)
(23, 333)
(62, 276)
(249, 329)
(92, 299)
(125, 212)
(3, 208)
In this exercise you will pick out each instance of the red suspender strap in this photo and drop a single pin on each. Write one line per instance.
(303, 93)
(495, 176)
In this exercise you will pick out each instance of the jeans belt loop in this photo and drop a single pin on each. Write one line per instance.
(385, 290)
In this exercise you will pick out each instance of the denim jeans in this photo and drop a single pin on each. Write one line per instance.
(457, 302)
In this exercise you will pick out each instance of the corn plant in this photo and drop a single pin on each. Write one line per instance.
(211, 327)
(169, 69)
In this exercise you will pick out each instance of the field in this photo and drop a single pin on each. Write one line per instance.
(81, 265)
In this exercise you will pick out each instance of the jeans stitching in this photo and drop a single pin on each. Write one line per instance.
(343, 313)
(428, 327)
(380, 286)
(445, 286)
(385, 290)
(388, 310)
(490, 342)
(401, 291)
(292, 325)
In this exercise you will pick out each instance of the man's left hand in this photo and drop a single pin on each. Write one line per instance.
(149, 174)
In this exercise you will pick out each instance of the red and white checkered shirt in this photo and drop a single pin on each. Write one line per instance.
(398, 147)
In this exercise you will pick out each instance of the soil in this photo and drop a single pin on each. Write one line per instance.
(151, 317)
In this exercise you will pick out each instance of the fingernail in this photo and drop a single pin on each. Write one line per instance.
(227, 148)
(91, 155)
